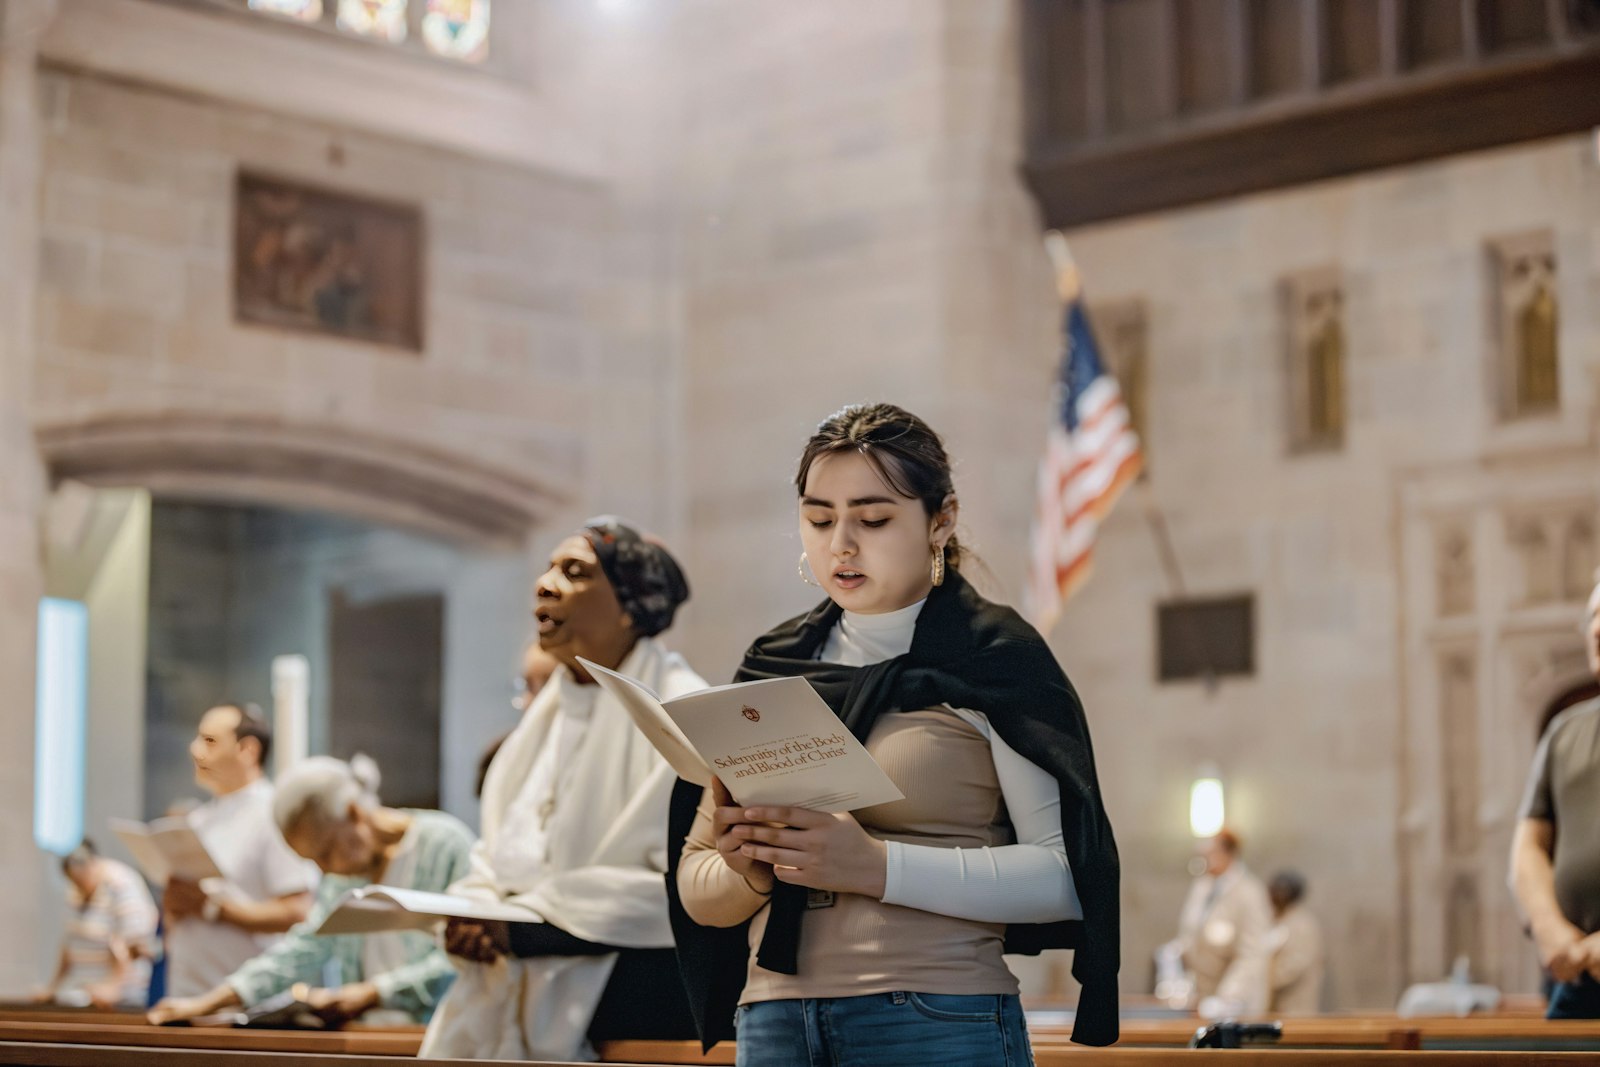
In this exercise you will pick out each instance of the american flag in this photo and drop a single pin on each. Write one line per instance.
(1091, 455)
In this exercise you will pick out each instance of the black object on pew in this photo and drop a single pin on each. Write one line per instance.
(284, 1011)
(1231, 1033)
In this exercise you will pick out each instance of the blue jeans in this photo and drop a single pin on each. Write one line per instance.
(884, 1030)
(1575, 1000)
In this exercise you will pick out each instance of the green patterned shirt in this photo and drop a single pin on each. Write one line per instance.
(442, 844)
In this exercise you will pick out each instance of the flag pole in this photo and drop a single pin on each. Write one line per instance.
(1163, 538)
(1069, 283)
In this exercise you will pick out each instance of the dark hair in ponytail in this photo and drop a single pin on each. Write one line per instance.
(904, 450)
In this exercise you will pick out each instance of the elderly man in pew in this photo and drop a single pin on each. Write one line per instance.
(109, 936)
(1555, 853)
(329, 813)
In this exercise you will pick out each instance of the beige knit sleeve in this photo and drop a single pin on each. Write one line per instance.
(713, 893)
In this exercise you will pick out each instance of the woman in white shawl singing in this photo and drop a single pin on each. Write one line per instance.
(574, 829)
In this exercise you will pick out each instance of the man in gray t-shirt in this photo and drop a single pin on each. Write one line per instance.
(1555, 855)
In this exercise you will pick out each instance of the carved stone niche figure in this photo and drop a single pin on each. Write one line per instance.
(1453, 572)
(1326, 371)
(1314, 310)
(1528, 315)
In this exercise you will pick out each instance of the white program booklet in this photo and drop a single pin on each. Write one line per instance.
(370, 908)
(772, 742)
(166, 848)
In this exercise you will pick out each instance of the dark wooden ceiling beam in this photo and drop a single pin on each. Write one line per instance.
(1325, 136)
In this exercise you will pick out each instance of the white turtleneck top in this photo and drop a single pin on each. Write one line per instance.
(1028, 882)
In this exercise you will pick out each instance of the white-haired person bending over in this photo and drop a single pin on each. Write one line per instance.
(329, 813)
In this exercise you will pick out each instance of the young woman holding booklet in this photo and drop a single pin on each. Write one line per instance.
(875, 937)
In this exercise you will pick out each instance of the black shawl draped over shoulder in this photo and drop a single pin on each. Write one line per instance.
(969, 653)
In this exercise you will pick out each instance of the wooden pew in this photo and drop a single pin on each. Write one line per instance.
(71, 1015)
(350, 1041)
(1321, 1033)
(20, 1054)
(26, 1011)
(1372, 1032)
(676, 1052)
(1509, 1033)
(214, 1038)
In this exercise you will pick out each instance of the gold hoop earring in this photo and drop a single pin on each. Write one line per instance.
(801, 567)
(938, 565)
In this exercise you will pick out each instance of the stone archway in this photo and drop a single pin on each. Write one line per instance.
(294, 464)
(480, 515)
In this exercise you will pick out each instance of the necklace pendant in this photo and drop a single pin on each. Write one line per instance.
(819, 898)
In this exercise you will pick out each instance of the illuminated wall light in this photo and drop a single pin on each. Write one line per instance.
(60, 708)
(1205, 807)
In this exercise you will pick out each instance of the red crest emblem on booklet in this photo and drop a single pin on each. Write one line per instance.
(751, 713)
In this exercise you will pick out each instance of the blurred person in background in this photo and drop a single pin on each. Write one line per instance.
(1223, 933)
(1296, 943)
(537, 668)
(109, 936)
(265, 888)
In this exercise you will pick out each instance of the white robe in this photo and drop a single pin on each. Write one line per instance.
(602, 877)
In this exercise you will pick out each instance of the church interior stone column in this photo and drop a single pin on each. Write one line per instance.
(21, 487)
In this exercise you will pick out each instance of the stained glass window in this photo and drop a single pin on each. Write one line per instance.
(304, 10)
(382, 19)
(454, 29)
(457, 28)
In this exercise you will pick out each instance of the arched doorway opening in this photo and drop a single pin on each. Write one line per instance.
(209, 547)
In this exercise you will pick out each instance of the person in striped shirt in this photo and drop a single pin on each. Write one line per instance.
(109, 936)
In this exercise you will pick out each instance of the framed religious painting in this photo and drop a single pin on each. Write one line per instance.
(329, 262)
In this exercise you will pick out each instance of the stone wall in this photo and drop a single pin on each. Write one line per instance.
(852, 231)
(135, 306)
